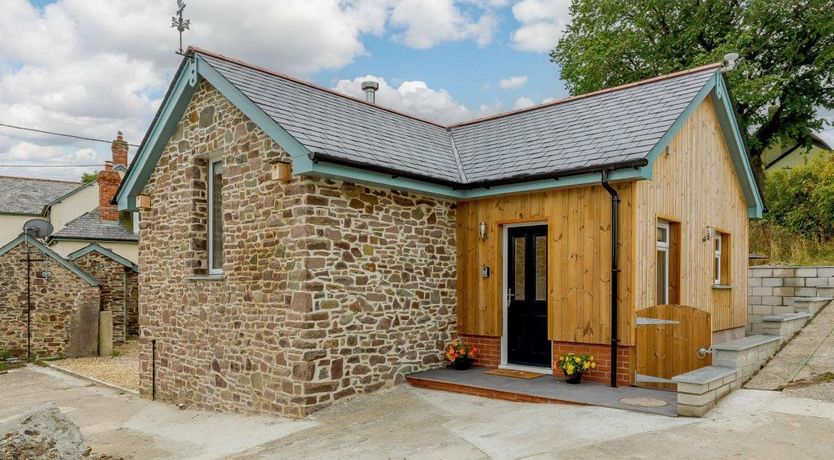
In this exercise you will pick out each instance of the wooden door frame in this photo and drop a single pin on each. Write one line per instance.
(505, 227)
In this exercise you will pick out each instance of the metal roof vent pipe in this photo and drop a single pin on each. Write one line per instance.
(370, 87)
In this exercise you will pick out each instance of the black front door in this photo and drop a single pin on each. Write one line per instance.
(527, 293)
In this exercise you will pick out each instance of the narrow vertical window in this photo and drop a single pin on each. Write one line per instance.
(721, 259)
(662, 263)
(716, 265)
(215, 217)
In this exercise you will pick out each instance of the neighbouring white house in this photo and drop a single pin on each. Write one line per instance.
(81, 213)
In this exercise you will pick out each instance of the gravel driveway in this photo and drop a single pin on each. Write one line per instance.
(120, 370)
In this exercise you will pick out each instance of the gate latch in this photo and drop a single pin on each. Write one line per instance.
(703, 352)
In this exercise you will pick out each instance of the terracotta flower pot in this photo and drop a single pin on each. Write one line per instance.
(573, 379)
(462, 363)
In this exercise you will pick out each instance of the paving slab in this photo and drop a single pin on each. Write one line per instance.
(550, 387)
(811, 352)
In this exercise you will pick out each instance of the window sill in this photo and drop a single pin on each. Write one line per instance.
(722, 286)
(217, 277)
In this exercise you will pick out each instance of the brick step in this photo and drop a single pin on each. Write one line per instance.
(783, 326)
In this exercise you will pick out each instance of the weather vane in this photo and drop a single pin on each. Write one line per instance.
(179, 23)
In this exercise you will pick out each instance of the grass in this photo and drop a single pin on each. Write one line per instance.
(4, 366)
(787, 247)
(825, 377)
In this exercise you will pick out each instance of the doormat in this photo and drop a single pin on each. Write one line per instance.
(514, 373)
(644, 402)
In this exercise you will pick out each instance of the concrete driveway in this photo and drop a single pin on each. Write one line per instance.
(405, 422)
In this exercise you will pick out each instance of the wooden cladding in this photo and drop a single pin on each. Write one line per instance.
(668, 340)
(695, 184)
(579, 261)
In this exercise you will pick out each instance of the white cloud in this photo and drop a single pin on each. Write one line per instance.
(523, 102)
(92, 68)
(413, 97)
(542, 24)
(514, 82)
(427, 23)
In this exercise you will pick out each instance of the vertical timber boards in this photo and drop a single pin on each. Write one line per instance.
(695, 183)
(579, 261)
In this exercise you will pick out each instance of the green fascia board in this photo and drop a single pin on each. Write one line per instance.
(20, 214)
(173, 110)
(148, 155)
(716, 90)
(250, 109)
(735, 142)
(51, 254)
(304, 166)
(94, 247)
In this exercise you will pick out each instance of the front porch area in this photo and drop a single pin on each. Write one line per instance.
(546, 389)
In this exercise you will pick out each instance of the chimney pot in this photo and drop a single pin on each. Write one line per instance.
(119, 150)
(370, 87)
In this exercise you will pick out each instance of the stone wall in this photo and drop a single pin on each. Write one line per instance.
(60, 300)
(329, 289)
(114, 295)
(132, 302)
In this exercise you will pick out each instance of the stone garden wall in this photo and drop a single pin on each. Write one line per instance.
(62, 306)
(329, 289)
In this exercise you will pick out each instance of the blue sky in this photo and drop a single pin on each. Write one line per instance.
(95, 67)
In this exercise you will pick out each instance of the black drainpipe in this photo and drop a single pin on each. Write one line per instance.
(615, 271)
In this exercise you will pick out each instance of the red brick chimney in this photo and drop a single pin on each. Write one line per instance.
(108, 180)
(119, 149)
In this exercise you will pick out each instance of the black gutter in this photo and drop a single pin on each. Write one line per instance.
(615, 271)
(317, 156)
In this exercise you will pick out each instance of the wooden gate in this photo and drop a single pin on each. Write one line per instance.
(669, 338)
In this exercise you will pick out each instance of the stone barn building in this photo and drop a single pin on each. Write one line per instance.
(119, 287)
(62, 302)
(300, 246)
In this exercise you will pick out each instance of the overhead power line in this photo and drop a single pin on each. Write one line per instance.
(52, 133)
(48, 166)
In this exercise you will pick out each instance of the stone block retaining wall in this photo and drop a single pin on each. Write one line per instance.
(773, 289)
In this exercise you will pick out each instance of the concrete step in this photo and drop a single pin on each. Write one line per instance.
(748, 354)
(783, 326)
(825, 291)
(810, 305)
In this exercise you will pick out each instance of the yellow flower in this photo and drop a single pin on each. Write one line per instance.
(561, 358)
(586, 365)
(593, 365)
(570, 369)
(591, 358)
(577, 360)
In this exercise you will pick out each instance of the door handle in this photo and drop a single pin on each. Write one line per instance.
(510, 296)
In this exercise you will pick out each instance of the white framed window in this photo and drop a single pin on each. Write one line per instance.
(717, 259)
(663, 230)
(135, 221)
(215, 217)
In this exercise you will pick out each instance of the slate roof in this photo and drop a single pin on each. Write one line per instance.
(603, 129)
(27, 195)
(89, 226)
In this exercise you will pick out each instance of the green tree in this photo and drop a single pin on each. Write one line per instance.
(88, 177)
(786, 47)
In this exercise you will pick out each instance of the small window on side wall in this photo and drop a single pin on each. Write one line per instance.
(215, 217)
(667, 263)
(721, 259)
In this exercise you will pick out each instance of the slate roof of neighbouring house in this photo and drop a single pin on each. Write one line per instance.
(607, 128)
(28, 195)
(90, 226)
